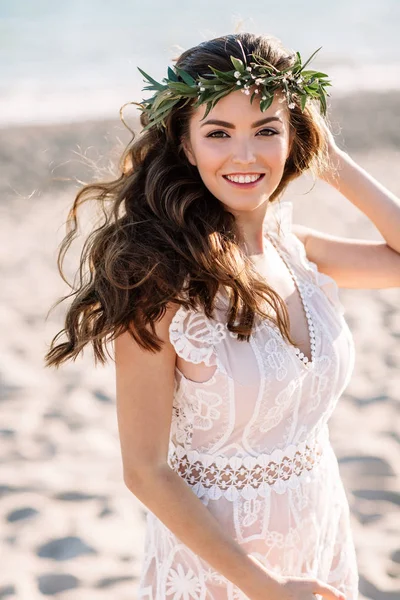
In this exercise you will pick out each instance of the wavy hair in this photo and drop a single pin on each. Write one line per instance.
(164, 237)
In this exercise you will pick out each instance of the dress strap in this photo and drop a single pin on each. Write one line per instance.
(279, 224)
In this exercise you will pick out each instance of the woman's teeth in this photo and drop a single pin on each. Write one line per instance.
(243, 178)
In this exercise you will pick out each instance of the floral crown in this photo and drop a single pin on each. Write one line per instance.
(260, 76)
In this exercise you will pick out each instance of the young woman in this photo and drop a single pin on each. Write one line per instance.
(231, 348)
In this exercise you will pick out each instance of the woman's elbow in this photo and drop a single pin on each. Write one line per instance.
(145, 475)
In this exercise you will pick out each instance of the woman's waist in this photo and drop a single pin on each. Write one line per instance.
(223, 473)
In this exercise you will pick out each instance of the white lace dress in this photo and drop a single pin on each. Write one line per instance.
(253, 443)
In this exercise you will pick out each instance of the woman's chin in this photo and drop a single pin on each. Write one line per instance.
(241, 206)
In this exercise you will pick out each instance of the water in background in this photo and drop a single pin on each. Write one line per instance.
(64, 61)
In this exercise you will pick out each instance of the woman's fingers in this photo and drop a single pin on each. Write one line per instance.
(327, 591)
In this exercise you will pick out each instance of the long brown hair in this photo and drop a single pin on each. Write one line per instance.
(164, 237)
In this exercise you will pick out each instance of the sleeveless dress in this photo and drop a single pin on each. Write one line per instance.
(252, 442)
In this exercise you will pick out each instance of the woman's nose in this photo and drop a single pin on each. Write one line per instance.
(244, 154)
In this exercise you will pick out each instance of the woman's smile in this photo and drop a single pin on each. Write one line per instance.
(249, 180)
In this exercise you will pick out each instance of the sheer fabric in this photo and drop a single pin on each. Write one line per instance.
(252, 442)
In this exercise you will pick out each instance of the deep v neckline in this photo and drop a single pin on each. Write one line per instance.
(299, 354)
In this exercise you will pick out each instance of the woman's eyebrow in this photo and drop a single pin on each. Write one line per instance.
(231, 126)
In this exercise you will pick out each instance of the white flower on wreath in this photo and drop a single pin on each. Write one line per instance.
(183, 586)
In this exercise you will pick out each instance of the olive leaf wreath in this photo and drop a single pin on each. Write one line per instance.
(260, 76)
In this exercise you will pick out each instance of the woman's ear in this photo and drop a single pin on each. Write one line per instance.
(187, 148)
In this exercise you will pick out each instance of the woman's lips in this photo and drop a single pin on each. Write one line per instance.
(251, 184)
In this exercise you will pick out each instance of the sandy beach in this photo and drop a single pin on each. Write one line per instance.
(69, 528)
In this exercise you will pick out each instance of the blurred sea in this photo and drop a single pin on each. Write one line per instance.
(76, 60)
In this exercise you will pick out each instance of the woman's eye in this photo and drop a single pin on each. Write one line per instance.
(271, 132)
(214, 134)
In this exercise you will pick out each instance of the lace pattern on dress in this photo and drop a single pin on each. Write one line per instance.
(248, 476)
(194, 337)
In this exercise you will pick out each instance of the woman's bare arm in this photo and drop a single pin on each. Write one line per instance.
(145, 387)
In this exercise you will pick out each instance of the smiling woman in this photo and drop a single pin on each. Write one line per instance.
(231, 349)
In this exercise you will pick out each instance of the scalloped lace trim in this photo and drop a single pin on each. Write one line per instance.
(248, 476)
(194, 336)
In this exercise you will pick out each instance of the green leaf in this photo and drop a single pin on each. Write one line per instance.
(323, 103)
(310, 59)
(188, 79)
(153, 88)
(312, 86)
(229, 78)
(316, 74)
(219, 87)
(285, 85)
(286, 70)
(208, 93)
(159, 99)
(148, 126)
(238, 64)
(212, 100)
(222, 94)
(264, 63)
(311, 93)
(264, 104)
(208, 108)
(182, 88)
(297, 63)
(267, 91)
(207, 82)
(268, 79)
(165, 107)
(172, 75)
(303, 101)
(158, 86)
(204, 97)
(148, 101)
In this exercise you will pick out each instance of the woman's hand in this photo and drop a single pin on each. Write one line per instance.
(299, 588)
(330, 140)
(334, 154)
(279, 587)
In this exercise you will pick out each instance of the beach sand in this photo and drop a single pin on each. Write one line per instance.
(70, 529)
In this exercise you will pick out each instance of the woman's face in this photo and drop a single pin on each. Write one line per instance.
(246, 141)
